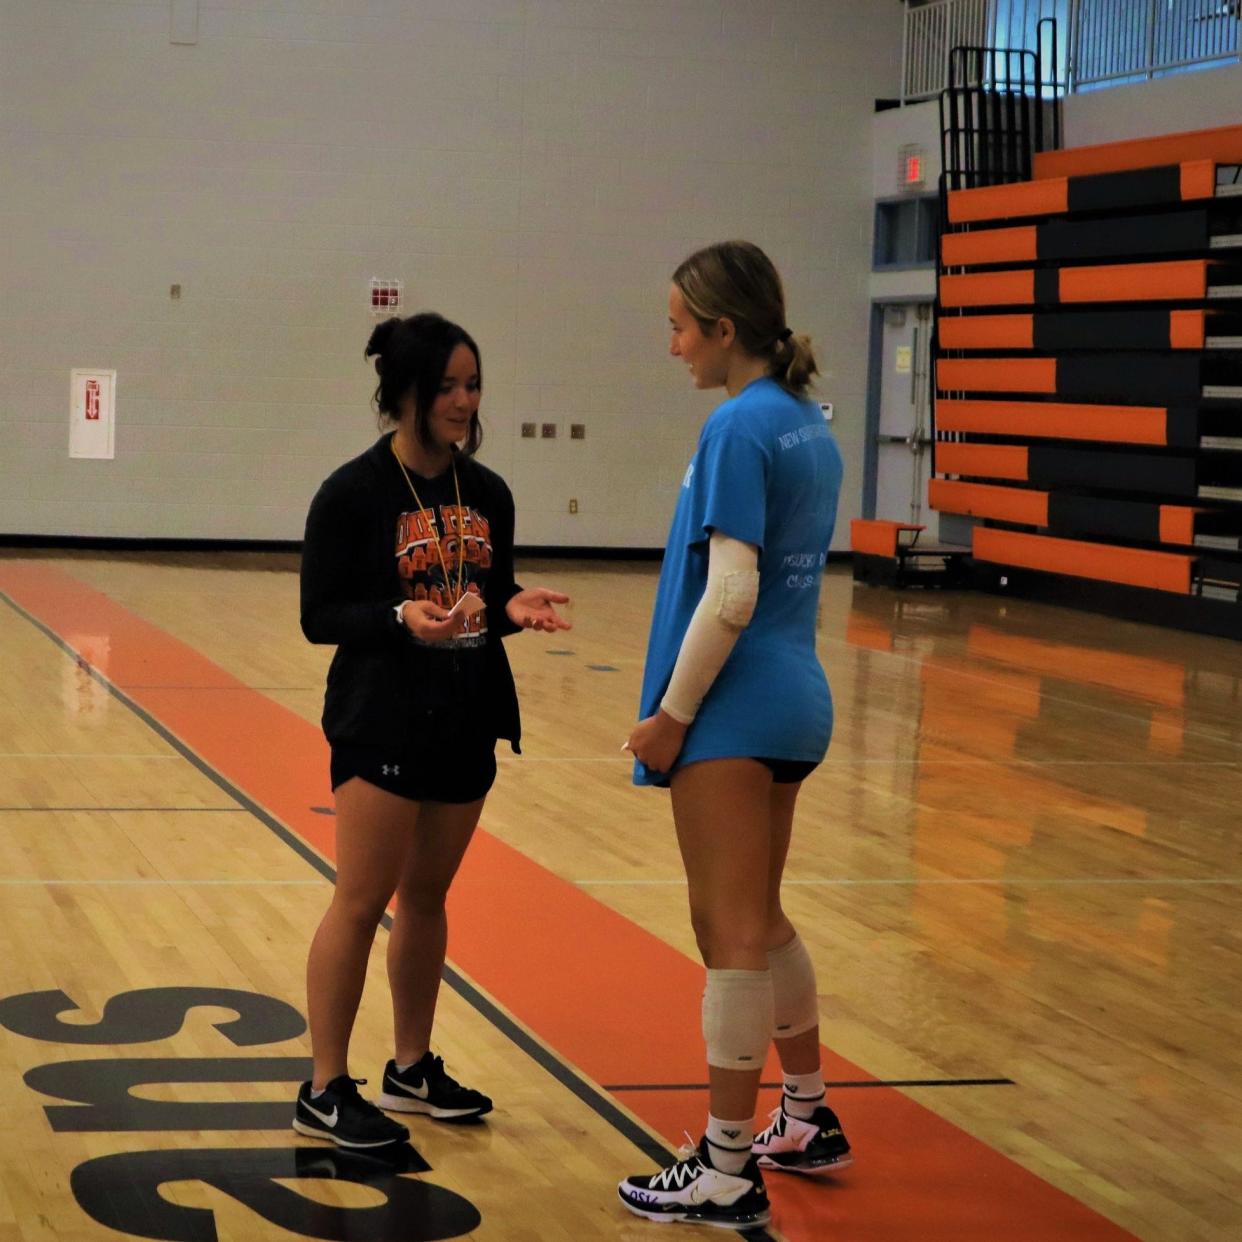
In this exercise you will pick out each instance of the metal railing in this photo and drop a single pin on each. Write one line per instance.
(932, 31)
(1116, 41)
(1104, 42)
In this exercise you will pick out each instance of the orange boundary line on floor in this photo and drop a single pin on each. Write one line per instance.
(609, 997)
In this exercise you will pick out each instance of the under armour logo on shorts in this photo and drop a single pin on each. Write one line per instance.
(395, 770)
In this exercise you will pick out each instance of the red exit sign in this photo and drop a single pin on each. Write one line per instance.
(912, 166)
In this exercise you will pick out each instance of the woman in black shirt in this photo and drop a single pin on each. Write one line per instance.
(408, 568)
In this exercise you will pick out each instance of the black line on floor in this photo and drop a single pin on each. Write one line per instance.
(845, 1084)
(604, 1108)
(295, 843)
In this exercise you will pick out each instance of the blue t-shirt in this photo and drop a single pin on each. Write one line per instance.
(768, 472)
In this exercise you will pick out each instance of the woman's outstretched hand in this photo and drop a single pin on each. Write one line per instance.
(533, 610)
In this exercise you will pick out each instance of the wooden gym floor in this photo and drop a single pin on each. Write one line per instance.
(1018, 874)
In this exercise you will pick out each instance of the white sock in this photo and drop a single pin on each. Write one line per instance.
(316, 1094)
(804, 1093)
(728, 1143)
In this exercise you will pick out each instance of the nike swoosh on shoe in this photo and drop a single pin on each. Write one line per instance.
(328, 1119)
(419, 1093)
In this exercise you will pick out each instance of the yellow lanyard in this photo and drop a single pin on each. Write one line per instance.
(435, 534)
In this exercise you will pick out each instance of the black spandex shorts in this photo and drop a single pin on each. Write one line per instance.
(458, 774)
(788, 771)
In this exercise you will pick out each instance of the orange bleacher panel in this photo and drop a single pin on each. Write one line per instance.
(983, 461)
(1222, 145)
(876, 537)
(987, 331)
(1159, 571)
(1198, 179)
(1135, 282)
(983, 500)
(1187, 329)
(1033, 375)
(989, 289)
(1023, 198)
(1115, 424)
(1013, 245)
(1177, 524)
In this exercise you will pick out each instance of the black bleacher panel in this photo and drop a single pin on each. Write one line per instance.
(1100, 515)
(1152, 235)
(1047, 286)
(1182, 428)
(1129, 329)
(1155, 379)
(1226, 324)
(1224, 274)
(1053, 467)
(1218, 470)
(1141, 186)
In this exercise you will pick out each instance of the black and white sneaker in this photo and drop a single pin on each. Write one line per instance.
(425, 1088)
(797, 1146)
(693, 1191)
(341, 1115)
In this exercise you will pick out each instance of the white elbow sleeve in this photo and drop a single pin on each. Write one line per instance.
(726, 609)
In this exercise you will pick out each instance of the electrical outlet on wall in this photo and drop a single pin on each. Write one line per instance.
(577, 431)
(573, 505)
(549, 431)
(528, 431)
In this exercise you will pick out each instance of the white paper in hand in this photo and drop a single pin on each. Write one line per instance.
(467, 606)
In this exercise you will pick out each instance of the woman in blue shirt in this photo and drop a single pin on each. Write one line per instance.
(736, 713)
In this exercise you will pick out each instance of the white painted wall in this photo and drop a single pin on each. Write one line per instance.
(894, 128)
(533, 168)
(1185, 101)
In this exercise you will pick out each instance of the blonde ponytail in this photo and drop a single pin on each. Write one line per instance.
(793, 364)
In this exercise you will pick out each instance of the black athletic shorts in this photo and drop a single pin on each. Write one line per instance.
(788, 771)
(458, 773)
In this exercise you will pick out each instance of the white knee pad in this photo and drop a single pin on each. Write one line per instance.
(794, 994)
(737, 1018)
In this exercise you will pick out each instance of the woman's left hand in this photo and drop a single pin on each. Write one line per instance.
(533, 610)
(657, 741)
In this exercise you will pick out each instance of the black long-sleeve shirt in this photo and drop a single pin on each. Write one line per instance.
(369, 546)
